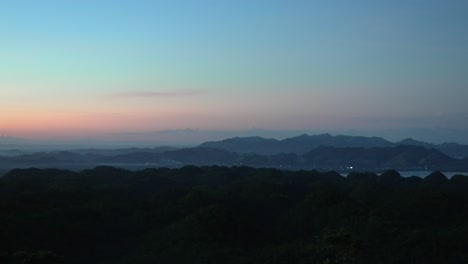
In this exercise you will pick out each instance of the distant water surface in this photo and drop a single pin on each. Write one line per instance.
(423, 174)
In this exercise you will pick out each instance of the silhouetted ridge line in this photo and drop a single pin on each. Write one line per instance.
(305, 143)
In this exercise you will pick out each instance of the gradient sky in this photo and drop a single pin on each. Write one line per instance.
(93, 68)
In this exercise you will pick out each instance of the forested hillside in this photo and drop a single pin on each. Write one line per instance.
(231, 215)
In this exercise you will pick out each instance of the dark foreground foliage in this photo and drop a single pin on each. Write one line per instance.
(231, 215)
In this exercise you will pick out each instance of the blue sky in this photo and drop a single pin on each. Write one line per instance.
(88, 69)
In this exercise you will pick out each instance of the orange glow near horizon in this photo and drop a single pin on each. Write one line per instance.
(69, 125)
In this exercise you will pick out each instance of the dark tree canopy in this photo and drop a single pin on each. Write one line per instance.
(231, 215)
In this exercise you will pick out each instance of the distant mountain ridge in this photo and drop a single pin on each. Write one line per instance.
(323, 152)
(305, 143)
(414, 158)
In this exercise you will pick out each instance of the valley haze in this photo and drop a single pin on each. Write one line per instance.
(323, 152)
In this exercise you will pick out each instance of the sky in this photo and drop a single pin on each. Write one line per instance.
(137, 69)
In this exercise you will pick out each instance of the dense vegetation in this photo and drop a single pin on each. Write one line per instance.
(231, 215)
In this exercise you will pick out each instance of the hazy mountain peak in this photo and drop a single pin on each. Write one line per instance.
(411, 141)
(304, 143)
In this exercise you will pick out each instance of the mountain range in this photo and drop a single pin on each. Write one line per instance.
(323, 152)
(305, 143)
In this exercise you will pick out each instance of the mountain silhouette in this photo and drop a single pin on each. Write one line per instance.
(305, 143)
